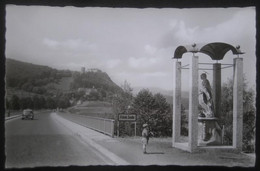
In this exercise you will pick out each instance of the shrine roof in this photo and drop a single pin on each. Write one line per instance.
(216, 50)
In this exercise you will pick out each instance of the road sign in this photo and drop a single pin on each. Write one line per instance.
(127, 117)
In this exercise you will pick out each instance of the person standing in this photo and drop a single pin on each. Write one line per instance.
(145, 137)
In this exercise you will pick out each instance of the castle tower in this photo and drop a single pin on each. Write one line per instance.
(83, 70)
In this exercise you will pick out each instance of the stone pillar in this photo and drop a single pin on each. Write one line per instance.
(193, 104)
(176, 116)
(238, 104)
(216, 86)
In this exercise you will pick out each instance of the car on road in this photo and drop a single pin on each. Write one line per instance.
(28, 114)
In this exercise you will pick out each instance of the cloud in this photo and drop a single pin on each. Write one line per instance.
(231, 30)
(146, 79)
(130, 43)
(72, 44)
(143, 76)
(150, 50)
(173, 23)
(178, 33)
(185, 33)
(112, 63)
(50, 43)
(237, 27)
(143, 62)
(154, 74)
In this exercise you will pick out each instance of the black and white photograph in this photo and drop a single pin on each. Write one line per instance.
(103, 86)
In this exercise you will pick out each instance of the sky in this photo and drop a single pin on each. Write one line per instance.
(136, 45)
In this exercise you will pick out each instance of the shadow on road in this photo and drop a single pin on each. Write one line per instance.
(35, 119)
(155, 153)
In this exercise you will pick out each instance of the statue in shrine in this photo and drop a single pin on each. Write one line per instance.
(205, 98)
(210, 131)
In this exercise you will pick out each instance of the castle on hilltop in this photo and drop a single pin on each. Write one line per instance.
(83, 70)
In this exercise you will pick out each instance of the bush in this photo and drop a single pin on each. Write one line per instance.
(154, 110)
(249, 115)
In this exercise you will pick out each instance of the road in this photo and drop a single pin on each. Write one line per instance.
(52, 140)
(45, 142)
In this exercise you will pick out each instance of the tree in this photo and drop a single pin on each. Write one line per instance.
(121, 103)
(23, 104)
(42, 102)
(94, 95)
(162, 117)
(143, 105)
(184, 122)
(63, 102)
(36, 102)
(249, 118)
(7, 104)
(154, 110)
(26, 102)
(29, 102)
(15, 102)
(122, 100)
(50, 103)
(249, 114)
(103, 93)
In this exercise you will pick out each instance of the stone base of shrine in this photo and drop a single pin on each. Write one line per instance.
(209, 132)
(213, 148)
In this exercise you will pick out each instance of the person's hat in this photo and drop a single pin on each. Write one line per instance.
(145, 125)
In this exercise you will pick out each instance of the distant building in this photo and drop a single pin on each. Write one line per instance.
(93, 70)
(79, 102)
(83, 70)
(87, 91)
(81, 89)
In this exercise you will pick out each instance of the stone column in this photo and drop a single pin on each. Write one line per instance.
(238, 104)
(216, 86)
(193, 104)
(176, 116)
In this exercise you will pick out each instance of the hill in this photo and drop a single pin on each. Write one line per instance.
(32, 78)
(27, 79)
(94, 79)
(15, 68)
(38, 87)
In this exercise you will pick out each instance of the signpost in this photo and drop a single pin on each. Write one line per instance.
(126, 117)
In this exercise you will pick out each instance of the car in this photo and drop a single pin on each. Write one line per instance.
(28, 114)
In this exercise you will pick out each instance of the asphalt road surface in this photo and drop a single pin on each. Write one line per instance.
(45, 142)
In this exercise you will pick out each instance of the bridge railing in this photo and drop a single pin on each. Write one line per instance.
(103, 125)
